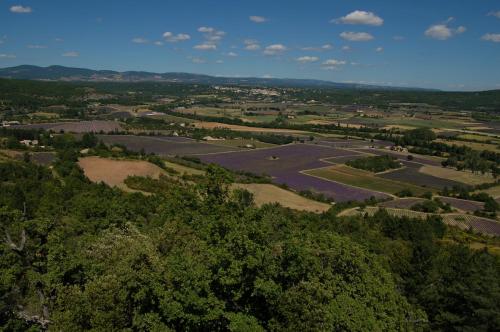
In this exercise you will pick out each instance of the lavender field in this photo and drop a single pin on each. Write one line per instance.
(284, 165)
(95, 126)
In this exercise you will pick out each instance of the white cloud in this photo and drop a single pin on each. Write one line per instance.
(232, 54)
(324, 47)
(333, 64)
(267, 76)
(219, 61)
(251, 45)
(197, 60)
(206, 47)
(140, 40)
(442, 31)
(275, 49)
(174, 38)
(346, 48)
(36, 46)
(258, 19)
(492, 37)
(212, 38)
(360, 17)
(379, 49)
(307, 59)
(21, 9)
(496, 14)
(58, 40)
(356, 36)
(159, 43)
(7, 56)
(71, 54)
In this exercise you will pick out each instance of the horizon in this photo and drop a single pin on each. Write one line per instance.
(445, 46)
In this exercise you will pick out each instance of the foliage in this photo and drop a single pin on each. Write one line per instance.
(375, 164)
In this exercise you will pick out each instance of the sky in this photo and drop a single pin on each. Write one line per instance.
(445, 44)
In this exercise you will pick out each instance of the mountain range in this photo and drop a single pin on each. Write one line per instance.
(61, 73)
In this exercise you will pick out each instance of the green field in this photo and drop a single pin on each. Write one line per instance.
(363, 179)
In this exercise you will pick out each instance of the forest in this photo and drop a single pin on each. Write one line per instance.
(194, 255)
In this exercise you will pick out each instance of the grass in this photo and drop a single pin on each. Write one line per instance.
(480, 138)
(363, 179)
(183, 169)
(493, 191)
(268, 194)
(453, 175)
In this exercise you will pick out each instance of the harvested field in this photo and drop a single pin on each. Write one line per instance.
(462, 204)
(161, 145)
(183, 169)
(215, 125)
(453, 175)
(284, 164)
(114, 172)
(472, 145)
(402, 203)
(462, 221)
(493, 191)
(269, 194)
(363, 179)
(76, 127)
(241, 143)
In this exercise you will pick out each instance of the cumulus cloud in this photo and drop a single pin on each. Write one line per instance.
(251, 45)
(379, 49)
(7, 56)
(174, 38)
(495, 14)
(71, 54)
(18, 9)
(219, 61)
(356, 36)
(360, 17)
(333, 64)
(443, 31)
(159, 43)
(492, 37)
(346, 48)
(36, 46)
(212, 38)
(307, 59)
(139, 40)
(258, 19)
(206, 47)
(232, 54)
(275, 49)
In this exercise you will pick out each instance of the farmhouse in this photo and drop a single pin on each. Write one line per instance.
(28, 142)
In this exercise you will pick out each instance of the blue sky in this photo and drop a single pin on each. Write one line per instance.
(446, 44)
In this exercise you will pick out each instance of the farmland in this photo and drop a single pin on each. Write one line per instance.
(164, 145)
(114, 172)
(453, 175)
(269, 194)
(76, 127)
(363, 179)
(285, 164)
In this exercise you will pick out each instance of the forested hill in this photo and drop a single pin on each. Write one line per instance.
(194, 256)
(58, 73)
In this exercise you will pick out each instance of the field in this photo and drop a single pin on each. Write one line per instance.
(472, 145)
(40, 158)
(363, 179)
(285, 163)
(162, 145)
(268, 194)
(95, 126)
(494, 191)
(215, 125)
(462, 204)
(114, 172)
(453, 175)
(241, 143)
(463, 221)
(411, 174)
(402, 203)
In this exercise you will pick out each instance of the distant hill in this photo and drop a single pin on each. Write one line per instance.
(61, 73)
